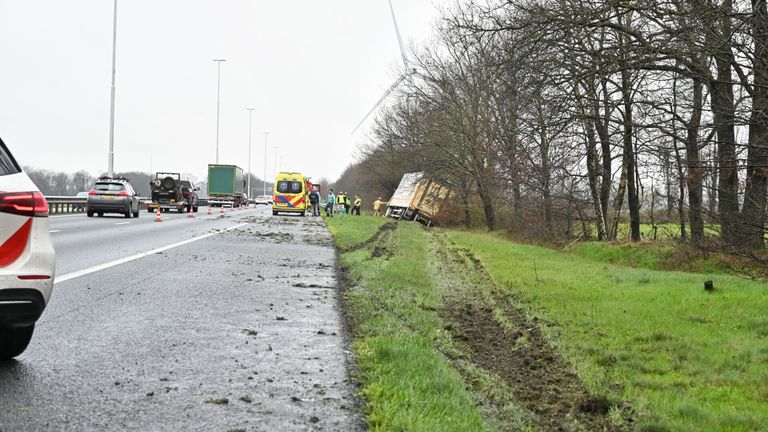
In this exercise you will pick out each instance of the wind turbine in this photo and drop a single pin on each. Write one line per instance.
(407, 73)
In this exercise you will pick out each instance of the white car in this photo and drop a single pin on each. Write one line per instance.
(27, 259)
(263, 199)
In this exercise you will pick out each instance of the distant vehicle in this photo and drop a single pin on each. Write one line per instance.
(82, 195)
(226, 186)
(262, 199)
(169, 192)
(417, 198)
(290, 193)
(27, 258)
(113, 195)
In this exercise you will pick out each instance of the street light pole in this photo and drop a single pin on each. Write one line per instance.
(111, 156)
(265, 163)
(275, 147)
(218, 100)
(250, 117)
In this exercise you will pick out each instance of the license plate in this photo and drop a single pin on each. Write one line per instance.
(281, 204)
(107, 197)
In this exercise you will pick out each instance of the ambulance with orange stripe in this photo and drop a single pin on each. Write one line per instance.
(290, 194)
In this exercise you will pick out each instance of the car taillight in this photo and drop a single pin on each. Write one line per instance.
(31, 204)
(92, 192)
(123, 193)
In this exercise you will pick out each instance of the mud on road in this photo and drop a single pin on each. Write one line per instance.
(248, 336)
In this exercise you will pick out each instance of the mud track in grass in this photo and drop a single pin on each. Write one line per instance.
(383, 231)
(503, 340)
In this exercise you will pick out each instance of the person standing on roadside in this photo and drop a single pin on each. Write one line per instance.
(377, 207)
(356, 205)
(329, 202)
(340, 202)
(347, 203)
(314, 200)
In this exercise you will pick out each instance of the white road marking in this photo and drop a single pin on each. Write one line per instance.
(89, 270)
(122, 223)
(53, 231)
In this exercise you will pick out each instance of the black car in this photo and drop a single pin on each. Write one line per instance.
(189, 193)
(112, 195)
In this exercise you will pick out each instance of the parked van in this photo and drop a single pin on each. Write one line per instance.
(290, 193)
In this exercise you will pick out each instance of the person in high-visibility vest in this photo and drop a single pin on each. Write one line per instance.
(340, 200)
(356, 205)
(377, 207)
(347, 203)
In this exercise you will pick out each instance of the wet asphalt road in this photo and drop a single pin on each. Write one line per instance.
(239, 330)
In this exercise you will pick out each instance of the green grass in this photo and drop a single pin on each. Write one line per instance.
(669, 255)
(391, 301)
(683, 358)
(349, 230)
(641, 255)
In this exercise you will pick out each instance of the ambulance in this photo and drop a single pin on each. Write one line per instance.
(290, 194)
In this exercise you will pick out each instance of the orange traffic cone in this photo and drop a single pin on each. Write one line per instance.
(222, 209)
(190, 214)
(157, 216)
(210, 211)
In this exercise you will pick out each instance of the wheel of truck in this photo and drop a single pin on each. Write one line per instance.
(149, 209)
(13, 341)
(100, 214)
(302, 214)
(181, 209)
(128, 212)
(89, 213)
(168, 183)
(136, 213)
(194, 209)
(274, 212)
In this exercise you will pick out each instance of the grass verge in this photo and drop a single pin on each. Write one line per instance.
(684, 358)
(391, 304)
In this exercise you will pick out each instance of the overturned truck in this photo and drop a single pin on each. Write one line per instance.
(417, 198)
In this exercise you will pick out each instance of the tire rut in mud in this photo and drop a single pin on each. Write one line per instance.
(501, 339)
(380, 247)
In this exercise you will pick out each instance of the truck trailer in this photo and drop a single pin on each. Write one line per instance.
(226, 186)
(417, 198)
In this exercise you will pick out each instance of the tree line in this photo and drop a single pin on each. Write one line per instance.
(565, 118)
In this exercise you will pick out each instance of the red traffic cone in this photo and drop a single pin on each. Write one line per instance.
(157, 216)
(210, 211)
(190, 214)
(221, 209)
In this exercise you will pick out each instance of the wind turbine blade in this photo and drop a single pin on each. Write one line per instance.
(381, 99)
(399, 39)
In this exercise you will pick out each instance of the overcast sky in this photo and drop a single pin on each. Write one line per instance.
(310, 68)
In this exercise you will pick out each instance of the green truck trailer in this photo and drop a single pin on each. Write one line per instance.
(226, 184)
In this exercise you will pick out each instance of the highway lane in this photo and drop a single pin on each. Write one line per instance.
(239, 330)
(82, 242)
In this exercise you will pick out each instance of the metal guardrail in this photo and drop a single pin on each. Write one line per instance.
(70, 204)
(65, 204)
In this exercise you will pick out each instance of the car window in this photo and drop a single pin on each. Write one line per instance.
(7, 164)
(286, 186)
(109, 187)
